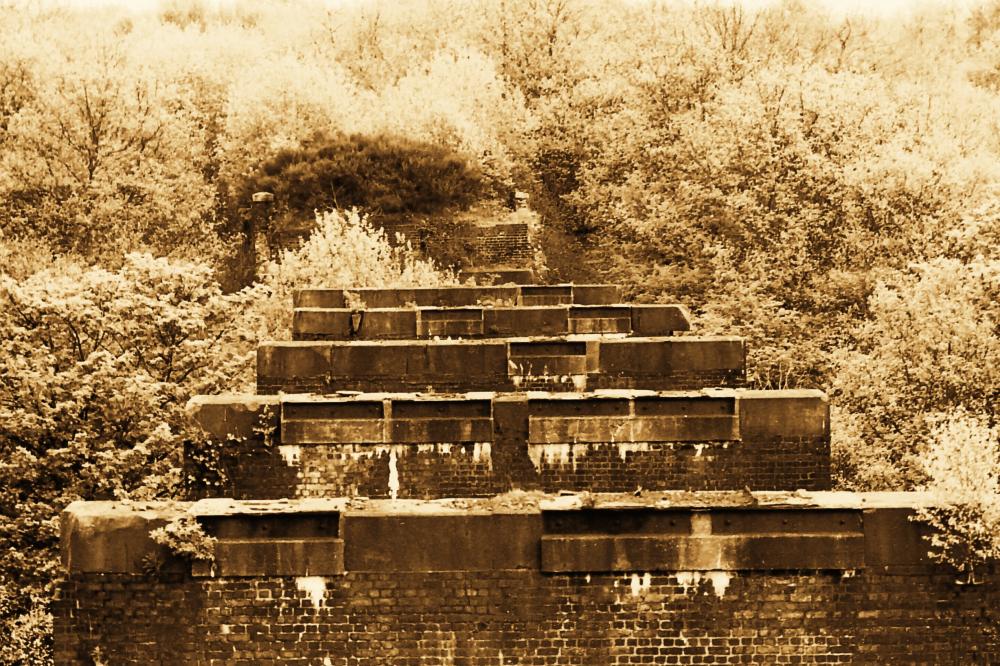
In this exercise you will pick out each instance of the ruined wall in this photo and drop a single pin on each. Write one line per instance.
(475, 588)
(502, 365)
(501, 244)
(489, 618)
(424, 447)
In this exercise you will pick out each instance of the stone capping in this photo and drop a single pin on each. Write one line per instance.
(729, 539)
(705, 531)
(268, 539)
(458, 295)
(601, 416)
(317, 323)
(646, 362)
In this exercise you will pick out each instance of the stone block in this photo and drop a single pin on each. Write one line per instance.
(450, 322)
(893, 541)
(673, 355)
(450, 542)
(319, 298)
(384, 324)
(596, 294)
(789, 413)
(276, 557)
(596, 553)
(547, 358)
(234, 416)
(112, 537)
(600, 319)
(522, 321)
(498, 276)
(653, 320)
(321, 324)
(549, 294)
(298, 364)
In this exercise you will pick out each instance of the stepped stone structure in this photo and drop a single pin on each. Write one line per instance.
(531, 475)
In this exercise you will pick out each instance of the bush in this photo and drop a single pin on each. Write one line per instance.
(185, 538)
(97, 366)
(931, 346)
(389, 177)
(962, 464)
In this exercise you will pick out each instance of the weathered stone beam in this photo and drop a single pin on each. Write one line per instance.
(459, 296)
(664, 363)
(763, 531)
(491, 322)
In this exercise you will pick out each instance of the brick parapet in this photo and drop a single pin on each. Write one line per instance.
(422, 446)
(771, 579)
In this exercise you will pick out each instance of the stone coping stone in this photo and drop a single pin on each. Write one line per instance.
(499, 275)
(711, 531)
(646, 362)
(459, 295)
(728, 414)
(319, 323)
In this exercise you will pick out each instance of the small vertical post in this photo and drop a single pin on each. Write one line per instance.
(257, 221)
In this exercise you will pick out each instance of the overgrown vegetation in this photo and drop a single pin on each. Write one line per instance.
(390, 177)
(815, 183)
(184, 537)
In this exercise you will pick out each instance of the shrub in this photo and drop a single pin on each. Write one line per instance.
(389, 177)
(931, 346)
(184, 537)
(962, 464)
(95, 369)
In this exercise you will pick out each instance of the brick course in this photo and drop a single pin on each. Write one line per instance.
(487, 618)
(480, 469)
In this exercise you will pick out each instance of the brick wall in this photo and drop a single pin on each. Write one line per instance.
(480, 469)
(441, 446)
(489, 618)
(501, 244)
(707, 578)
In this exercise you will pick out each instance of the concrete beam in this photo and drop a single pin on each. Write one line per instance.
(788, 413)
(459, 296)
(234, 416)
(655, 532)
(113, 537)
(407, 323)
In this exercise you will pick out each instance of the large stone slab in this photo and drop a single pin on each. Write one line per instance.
(458, 296)
(664, 363)
(311, 323)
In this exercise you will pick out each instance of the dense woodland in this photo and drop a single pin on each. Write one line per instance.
(827, 187)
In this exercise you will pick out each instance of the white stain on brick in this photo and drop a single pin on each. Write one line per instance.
(393, 474)
(640, 585)
(548, 453)
(290, 453)
(688, 579)
(483, 451)
(625, 448)
(720, 581)
(314, 587)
